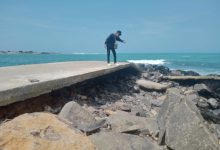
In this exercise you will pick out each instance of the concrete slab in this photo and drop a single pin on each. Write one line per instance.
(18, 83)
(192, 78)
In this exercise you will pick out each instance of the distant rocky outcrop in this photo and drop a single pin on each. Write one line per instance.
(16, 52)
(23, 52)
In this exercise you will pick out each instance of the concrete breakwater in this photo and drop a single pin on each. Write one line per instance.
(22, 82)
(56, 98)
(129, 108)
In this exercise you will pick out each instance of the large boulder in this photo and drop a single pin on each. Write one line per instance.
(41, 131)
(204, 90)
(119, 141)
(181, 125)
(126, 123)
(152, 86)
(201, 88)
(213, 103)
(79, 117)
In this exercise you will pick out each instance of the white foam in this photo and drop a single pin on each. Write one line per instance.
(152, 62)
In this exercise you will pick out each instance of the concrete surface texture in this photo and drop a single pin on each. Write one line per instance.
(26, 81)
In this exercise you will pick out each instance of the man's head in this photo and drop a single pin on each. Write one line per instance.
(118, 33)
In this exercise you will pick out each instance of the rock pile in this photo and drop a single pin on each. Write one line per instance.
(128, 110)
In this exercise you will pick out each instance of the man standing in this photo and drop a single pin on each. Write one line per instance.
(110, 43)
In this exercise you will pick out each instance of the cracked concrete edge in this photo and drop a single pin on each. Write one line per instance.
(22, 93)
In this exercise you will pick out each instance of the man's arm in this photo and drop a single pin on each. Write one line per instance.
(118, 39)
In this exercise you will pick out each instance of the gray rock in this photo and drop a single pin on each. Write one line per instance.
(136, 89)
(173, 96)
(192, 96)
(145, 75)
(152, 86)
(141, 114)
(126, 123)
(182, 126)
(202, 89)
(199, 87)
(202, 103)
(154, 93)
(138, 111)
(144, 99)
(213, 103)
(158, 77)
(216, 112)
(119, 141)
(125, 108)
(191, 73)
(153, 76)
(156, 103)
(218, 131)
(79, 117)
(210, 116)
(176, 73)
(215, 128)
(174, 84)
(183, 73)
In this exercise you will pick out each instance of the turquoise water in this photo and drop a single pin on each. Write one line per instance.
(204, 63)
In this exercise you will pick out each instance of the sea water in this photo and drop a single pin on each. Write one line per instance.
(203, 63)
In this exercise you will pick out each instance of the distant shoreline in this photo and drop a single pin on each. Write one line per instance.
(24, 52)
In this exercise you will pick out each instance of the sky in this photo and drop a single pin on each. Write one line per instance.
(70, 26)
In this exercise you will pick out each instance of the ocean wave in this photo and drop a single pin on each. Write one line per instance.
(152, 62)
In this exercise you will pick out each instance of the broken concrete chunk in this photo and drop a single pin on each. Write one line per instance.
(156, 103)
(213, 103)
(202, 103)
(149, 85)
(126, 108)
(80, 118)
(120, 141)
(125, 122)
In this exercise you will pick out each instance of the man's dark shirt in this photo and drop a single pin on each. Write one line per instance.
(110, 41)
